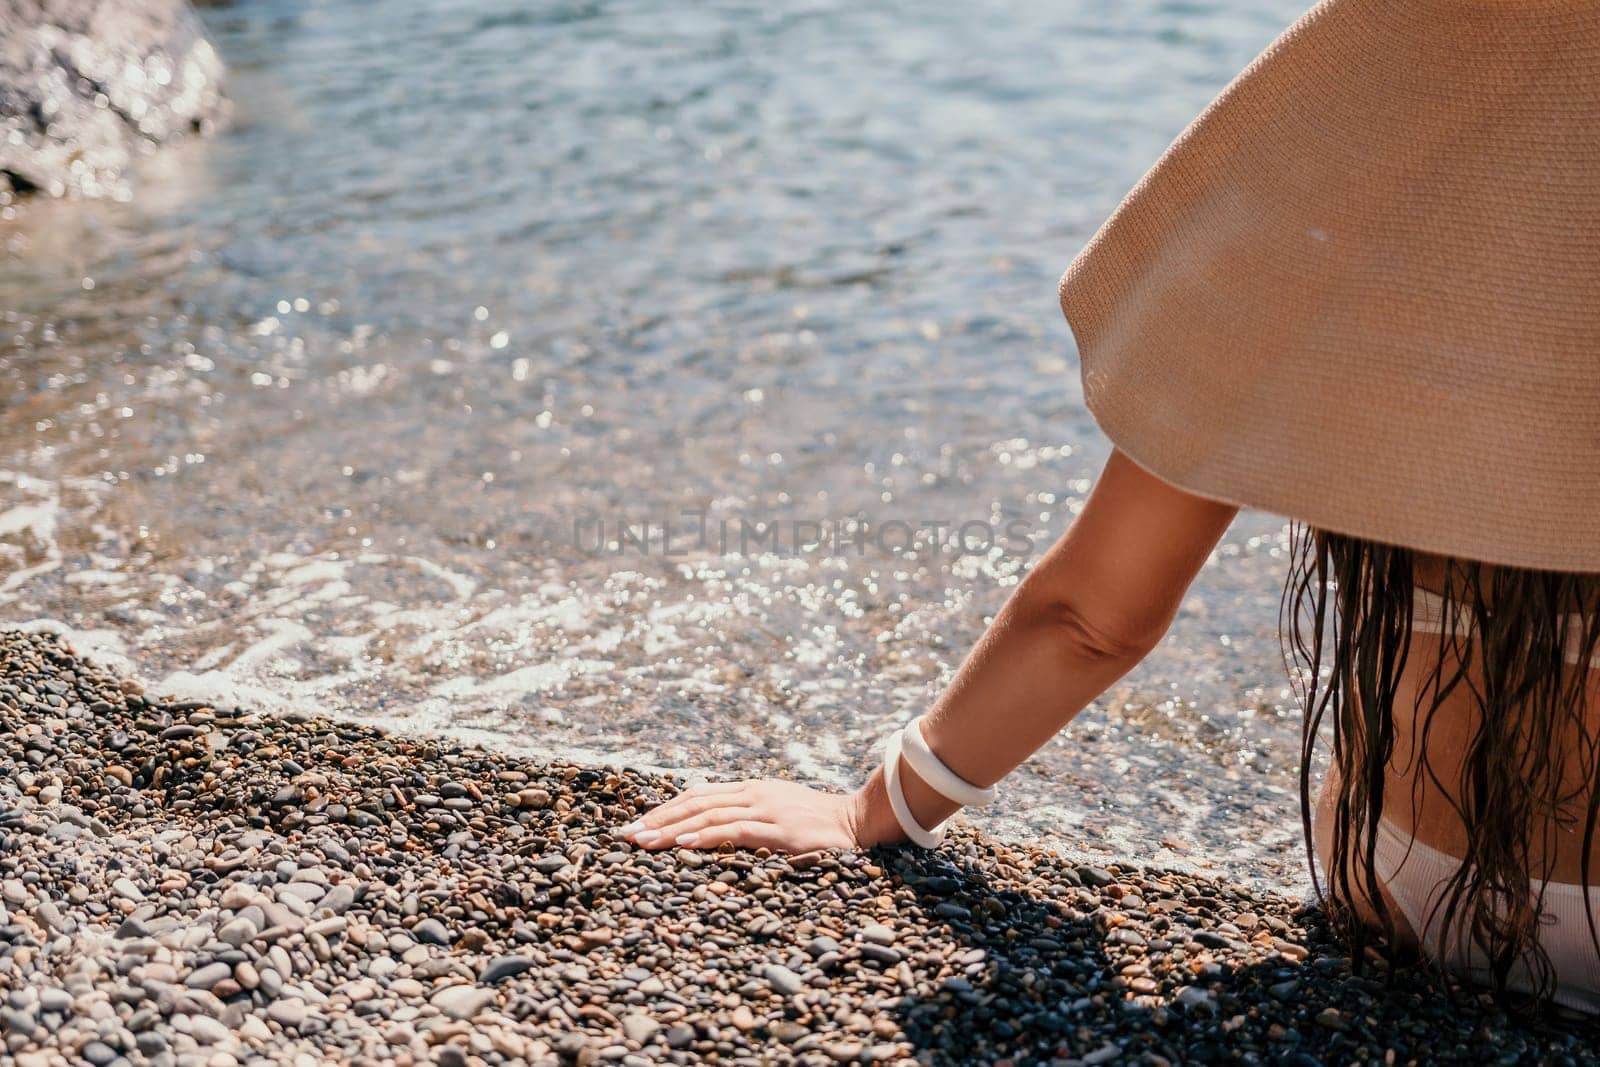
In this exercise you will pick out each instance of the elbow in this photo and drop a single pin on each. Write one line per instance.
(1097, 636)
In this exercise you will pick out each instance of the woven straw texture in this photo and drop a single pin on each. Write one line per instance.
(1362, 289)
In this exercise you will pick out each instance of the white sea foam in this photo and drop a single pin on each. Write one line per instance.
(106, 646)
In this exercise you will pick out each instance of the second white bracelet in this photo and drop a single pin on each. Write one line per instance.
(940, 778)
(897, 799)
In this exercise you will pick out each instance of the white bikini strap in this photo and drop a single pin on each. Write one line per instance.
(1427, 617)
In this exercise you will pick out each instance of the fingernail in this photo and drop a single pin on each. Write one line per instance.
(630, 829)
(647, 836)
(688, 839)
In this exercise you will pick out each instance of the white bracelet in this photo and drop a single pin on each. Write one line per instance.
(897, 799)
(940, 778)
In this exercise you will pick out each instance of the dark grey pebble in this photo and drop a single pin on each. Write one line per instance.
(98, 1053)
(1096, 876)
(208, 976)
(884, 954)
(819, 946)
(504, 967)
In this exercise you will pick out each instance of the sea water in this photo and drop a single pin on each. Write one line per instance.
(675, 385)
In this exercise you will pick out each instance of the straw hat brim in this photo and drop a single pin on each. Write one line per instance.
(1362, 289)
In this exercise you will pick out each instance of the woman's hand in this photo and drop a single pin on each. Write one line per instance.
(782, 816)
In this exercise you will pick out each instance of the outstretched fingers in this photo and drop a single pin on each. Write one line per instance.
(681, 832)
(740, 833)
(777, 815)
(696, 808)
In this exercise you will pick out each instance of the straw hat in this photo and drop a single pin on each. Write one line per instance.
(1363, 289)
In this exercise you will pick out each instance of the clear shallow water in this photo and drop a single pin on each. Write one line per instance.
(340, 411)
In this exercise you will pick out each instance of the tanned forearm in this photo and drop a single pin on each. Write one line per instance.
(1029, 675)
(1095, 605)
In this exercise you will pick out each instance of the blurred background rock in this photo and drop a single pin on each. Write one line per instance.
(86, 85)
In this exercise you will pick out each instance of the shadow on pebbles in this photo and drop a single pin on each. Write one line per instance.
(192, 885)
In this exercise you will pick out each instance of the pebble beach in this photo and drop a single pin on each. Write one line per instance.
(189, 885)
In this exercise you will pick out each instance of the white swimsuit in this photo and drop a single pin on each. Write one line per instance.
(1415, 875)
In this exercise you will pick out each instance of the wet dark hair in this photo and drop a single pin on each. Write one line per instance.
(1532, 759)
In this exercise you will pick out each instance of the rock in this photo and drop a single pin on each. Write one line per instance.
(56, 1000)
(50, 915)
(844, 1051)
(878, 934)
(821, 946)
(338, 899)
(536, 799)
(14, 1021)
(254, 1031)
(782, 979)
(237, 896)
(207, 1031)
(431, 932)
(640, 1028)
(332, 926)
(208, 976)
(271, 983)
(236, 932)
(1096, 876)
(287, 1012)
(504, 967)
(87, 85)
(882, 954)
(551, 864)
(576, 1047)
(131, 928)
(98, 1053)
(462, 1001)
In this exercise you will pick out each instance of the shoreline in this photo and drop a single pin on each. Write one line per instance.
(187, 885)
(1074, 828)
